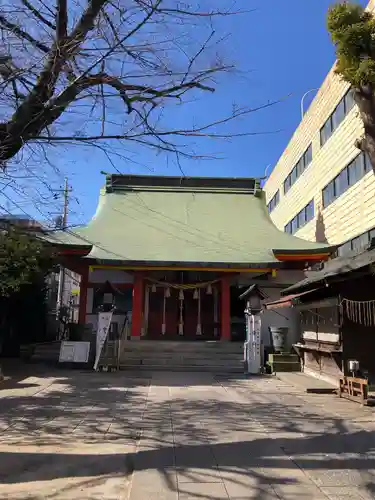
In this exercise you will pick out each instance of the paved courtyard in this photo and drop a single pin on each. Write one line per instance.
(80, 435)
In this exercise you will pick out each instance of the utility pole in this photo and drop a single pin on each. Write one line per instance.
(64, 225)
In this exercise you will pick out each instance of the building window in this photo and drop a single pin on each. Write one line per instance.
(328, 194)
(351, 174)
(360, 241)
(368, 166)
(310, 213)
(344, 249)
(274, 201)
(335, 119)
(356, 244)
(298, 169)
(302, 218)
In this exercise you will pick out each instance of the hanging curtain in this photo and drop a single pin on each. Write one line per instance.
(358, 311)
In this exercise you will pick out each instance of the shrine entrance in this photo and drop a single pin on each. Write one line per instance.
(177, 311)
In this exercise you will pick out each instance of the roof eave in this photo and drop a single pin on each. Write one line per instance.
(314, 254)
(261, 266)
(289, 300)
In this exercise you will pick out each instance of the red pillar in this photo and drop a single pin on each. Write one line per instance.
(137, 308)
(225, 308)
(83, 295)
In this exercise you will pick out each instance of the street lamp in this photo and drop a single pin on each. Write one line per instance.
(303, 101)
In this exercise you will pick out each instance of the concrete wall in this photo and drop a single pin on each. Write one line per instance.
(354, 211)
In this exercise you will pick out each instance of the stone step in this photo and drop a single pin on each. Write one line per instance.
(46, 349)
(181, 356)
(184, 368)
(166, 346)
(43, 352)
(170, 354)
(175, 355)
(184, 362)
(284, 366)
(287, 357)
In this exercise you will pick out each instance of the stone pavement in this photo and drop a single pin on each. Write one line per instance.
(176, 436)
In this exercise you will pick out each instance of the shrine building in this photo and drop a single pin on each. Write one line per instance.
(174, 253)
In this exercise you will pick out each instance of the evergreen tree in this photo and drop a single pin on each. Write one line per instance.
(352, 30)
(24, 264)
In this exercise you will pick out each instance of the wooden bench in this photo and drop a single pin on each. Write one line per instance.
(355, 389)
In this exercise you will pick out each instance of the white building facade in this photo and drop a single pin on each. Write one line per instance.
(323, 188)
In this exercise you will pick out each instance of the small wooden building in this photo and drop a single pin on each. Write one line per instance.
(337, 316)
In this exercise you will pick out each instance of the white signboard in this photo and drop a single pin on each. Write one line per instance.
(104, 322)
(74, 352)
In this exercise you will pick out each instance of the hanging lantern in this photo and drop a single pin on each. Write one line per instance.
(153, 288)
(181, 295)
(209, 289)
(196, 294)
(167, 292)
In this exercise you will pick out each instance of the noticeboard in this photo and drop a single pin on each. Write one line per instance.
(74, 352)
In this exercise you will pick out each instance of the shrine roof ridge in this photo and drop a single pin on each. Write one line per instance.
(121, 182)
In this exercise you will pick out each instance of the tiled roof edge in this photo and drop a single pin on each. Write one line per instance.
(117, 182)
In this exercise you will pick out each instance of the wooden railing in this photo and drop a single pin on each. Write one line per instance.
(355, 389)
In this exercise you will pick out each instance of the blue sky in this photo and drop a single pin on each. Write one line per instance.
(282, 49)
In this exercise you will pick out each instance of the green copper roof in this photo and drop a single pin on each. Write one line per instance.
(170, 220)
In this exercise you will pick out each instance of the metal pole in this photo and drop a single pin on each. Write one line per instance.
(61, 289)
(303, 101)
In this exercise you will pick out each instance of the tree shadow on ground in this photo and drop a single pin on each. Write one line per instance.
(86, 425)
(113, 406)
(257, 459)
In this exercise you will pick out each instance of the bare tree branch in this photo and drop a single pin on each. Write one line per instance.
(37, 14)
(13, 28)
(67, 66)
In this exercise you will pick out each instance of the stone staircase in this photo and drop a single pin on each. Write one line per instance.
(284, 362)
(45, 352)
(213, 357)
